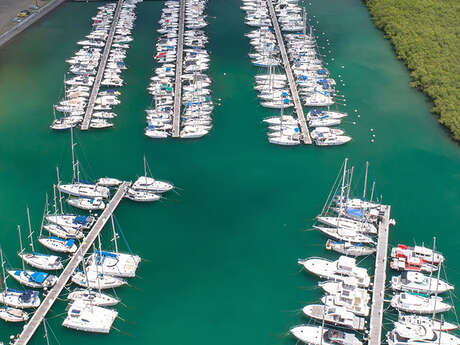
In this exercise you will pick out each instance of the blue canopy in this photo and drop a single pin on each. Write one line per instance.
(80, 219)
(355, 212)
(38, 277)
(107, 254)
(70, 242)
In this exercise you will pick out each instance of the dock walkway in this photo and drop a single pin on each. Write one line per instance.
(100, 71)
(31, 327)
(378, 293)
(178, 82)
(292, 85)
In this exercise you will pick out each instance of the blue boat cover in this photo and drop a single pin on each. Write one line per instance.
(80, 219)
(38, 277)
(355, 212)
(108, 254)
(70, 242)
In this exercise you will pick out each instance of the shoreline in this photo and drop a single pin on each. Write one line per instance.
(11, 33)
(423, 52)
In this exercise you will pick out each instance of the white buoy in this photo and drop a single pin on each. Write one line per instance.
(372, 129)
(359, 116)
(372, 140)
(356, 110)
(225, 73)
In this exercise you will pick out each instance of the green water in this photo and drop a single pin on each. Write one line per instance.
(221, 257)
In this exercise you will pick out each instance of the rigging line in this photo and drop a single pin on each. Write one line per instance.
(451, 299)
(54, 335)
(335, 182)
(118, 227)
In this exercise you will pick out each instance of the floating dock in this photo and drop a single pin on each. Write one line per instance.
(378, 293)
(287, 67)
(100, 71)
(31, 327)
(178, 82)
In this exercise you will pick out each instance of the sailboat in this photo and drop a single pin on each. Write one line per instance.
(113, 263)
(93, 297)
(17, 298)
(96, 280)
(146, 183)
(38, 260)
(80, 188)
(10, 314)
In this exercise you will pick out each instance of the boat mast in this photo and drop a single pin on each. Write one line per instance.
(54, 198)
(59, 191)
(45, 212)
(372, 191)
(30, 231)
(304, 23)
(72, 145)
(342, 190)
(437, 282)
(115, 235)
(20, 245)
(3, 269)
(365, 180)
(46, 332)
(349, 182)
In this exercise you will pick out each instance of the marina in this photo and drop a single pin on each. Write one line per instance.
(292, 85)
(101, 69)
(378, 291)
(36, 320)
(178, 82)
(222, 246)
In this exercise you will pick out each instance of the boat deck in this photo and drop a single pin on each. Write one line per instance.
(100, 71)
(31, 327)
(178, 82)
(378, 293)
(292, 85)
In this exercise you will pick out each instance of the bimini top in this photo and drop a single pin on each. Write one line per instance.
(80, 219)
(38, 277)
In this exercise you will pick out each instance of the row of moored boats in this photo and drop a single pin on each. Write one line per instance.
(315, 87)
(343, 314)
(196, 102)
(85, 64)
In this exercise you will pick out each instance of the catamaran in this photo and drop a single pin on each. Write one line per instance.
(89, 318)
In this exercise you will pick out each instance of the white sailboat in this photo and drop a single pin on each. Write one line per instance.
(16, 298)
(93, 297)
(145, 183)
(38, 260)
(113, 263)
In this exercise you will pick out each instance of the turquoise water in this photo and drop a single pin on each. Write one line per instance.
(220, 256)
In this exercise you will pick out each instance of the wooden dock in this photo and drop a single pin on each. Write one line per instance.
(378, 293)
(101, 68)
(292, 85)
(31, 327)
(178, 82)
